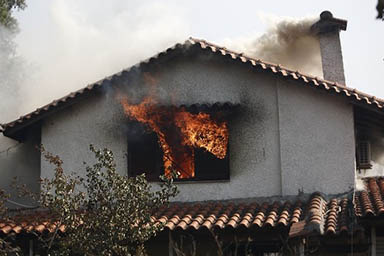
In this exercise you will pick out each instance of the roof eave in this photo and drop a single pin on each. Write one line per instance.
(190, 46)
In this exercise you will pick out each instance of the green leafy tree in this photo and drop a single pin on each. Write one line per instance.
(6, 10)
(104, 213)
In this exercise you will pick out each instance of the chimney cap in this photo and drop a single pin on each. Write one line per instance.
(326, 15)
(328, 23)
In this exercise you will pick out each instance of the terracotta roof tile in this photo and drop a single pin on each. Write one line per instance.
(260, 215)
(317, 214)
(285, 214)
(38, 221)
(325, 217)
(284, 72)
(332, 216)
(369, 202)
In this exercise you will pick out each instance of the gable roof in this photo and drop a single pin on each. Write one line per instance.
(13, 128)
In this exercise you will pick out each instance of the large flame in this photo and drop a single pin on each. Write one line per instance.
(179, 132)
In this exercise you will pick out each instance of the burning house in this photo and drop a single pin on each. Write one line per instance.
(265, 155)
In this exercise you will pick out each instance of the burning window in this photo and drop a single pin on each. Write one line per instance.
(192, 141)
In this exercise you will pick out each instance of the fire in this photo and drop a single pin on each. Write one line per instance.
(179, 132)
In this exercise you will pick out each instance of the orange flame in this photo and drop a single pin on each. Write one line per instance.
(179, 132)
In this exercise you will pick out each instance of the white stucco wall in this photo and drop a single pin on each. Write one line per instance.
(311, 147)
(69, 133)
(317, 141)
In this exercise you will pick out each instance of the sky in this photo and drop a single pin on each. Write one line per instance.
(67, 44)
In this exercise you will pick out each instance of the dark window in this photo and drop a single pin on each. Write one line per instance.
(364, 155)
(209, 167)
(146, 156)
(144, 153)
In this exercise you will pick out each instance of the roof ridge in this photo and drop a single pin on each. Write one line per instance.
(196, 40)
(203, 44)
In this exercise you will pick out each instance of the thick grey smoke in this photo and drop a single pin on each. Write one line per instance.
(12, 72)
(80, 42)
(288, 42)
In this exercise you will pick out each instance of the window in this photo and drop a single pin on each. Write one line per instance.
(146, 156)
(144, 153)
(364, 155)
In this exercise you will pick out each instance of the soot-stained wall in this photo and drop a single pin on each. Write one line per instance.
(254, 150)
(376, 139)
(284, 137)
(21, 161)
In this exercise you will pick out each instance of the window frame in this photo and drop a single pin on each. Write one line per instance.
(153, 176)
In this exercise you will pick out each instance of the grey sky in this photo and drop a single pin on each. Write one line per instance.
(86, 40)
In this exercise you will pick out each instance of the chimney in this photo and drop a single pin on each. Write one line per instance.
(327, 29)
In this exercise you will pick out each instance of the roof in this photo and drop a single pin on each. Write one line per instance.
(369, 202)
(10, 129)
(32, 222)
(320, 216)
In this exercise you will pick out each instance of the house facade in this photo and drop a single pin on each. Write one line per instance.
(294, 154)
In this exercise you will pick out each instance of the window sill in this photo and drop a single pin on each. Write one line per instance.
(194, 181)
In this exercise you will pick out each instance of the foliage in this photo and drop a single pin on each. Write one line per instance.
(6, 246)
(12, 67)
(187, 244)
(8, 63)
(109, 213)
(6, 10)
(380, 9)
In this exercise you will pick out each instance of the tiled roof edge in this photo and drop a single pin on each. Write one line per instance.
(274, 68)
(295, 74)
(369, 203)
(315, 216)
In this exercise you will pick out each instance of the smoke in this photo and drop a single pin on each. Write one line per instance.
(377, 170)
(12, 73)
(288, 41)
(80, 42)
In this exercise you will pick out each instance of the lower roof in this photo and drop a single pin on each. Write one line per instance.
(318, 215)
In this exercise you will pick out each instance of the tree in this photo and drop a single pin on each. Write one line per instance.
(7, 62)
(6, 246)
(6, 10)
(11, 65)
(380, 9)
(109, 213)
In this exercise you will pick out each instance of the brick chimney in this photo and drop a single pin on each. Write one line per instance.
(327, 29)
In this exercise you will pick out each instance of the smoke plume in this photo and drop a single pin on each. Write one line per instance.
(288, 42)
(12, 73)
(80, 42)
